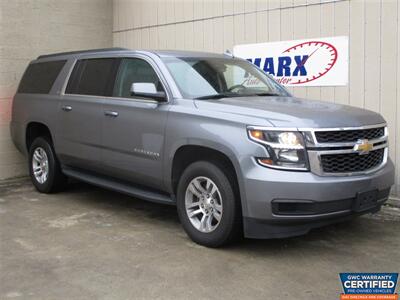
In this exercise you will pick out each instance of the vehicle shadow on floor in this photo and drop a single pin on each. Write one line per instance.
(329, 237)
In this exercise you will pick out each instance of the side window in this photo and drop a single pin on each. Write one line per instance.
(39, 77)
(134, 70)
(93, 77)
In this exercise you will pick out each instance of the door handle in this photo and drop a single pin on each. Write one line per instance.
(66, 108)
(110, 113)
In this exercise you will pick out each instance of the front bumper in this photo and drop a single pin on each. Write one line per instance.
(328, 199)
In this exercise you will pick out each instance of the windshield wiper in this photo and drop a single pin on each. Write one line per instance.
(226, 95)
(217, 96)
(265, 94)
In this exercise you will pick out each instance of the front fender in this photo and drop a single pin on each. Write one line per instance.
(227, 137)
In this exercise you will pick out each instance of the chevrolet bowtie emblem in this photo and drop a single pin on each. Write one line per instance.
(363, 146)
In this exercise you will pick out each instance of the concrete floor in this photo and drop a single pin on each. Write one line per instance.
(88, 243)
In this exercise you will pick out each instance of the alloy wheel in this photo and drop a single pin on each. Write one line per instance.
(203, 203)
(40, 165)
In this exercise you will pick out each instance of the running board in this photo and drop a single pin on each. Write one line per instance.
(118, 186)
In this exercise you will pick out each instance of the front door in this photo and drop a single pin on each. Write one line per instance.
(133, 127)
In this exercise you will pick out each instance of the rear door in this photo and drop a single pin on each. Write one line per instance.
(81, 112)
(133, 127)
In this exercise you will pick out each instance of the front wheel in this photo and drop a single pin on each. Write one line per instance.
(207, 205)
(44, 168)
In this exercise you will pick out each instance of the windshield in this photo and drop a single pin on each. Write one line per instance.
(203, 78)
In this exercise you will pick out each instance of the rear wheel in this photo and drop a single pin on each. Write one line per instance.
(207, 205)
(44, 168)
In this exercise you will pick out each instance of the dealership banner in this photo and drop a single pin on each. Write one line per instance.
(310, 62)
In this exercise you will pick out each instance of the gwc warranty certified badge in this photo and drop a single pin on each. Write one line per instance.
(376, 286)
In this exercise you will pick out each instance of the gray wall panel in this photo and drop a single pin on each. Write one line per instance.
(32, 27)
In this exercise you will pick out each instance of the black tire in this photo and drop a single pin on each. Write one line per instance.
(56, 180)
(230, 225)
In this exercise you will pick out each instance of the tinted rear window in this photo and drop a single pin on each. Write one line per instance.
(93, 77)
(39, 77)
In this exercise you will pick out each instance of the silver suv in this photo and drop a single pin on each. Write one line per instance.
(209, 133)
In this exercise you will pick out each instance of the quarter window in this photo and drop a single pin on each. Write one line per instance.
(40, 77)
(93, 77)
(133, 70)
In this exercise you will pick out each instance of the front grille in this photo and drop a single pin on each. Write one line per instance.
(351, 162)
(347, 136)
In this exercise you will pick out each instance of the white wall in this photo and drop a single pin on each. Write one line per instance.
(32, 27)
(216, 25)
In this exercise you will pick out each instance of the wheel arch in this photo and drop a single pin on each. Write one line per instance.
(35, 129)
(185, 154)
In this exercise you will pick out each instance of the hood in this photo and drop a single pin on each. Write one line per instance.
(293, 112)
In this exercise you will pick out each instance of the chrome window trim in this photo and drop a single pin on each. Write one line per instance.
(148, 101)
(137, 56)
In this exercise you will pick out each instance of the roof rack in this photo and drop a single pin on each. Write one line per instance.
(81, 51)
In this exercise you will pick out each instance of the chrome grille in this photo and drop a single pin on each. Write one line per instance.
(351, 162)
(333, 151)
(342, 136)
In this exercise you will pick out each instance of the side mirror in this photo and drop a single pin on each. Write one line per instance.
(147, 90)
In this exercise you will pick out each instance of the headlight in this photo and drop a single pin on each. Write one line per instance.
(285, 148)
